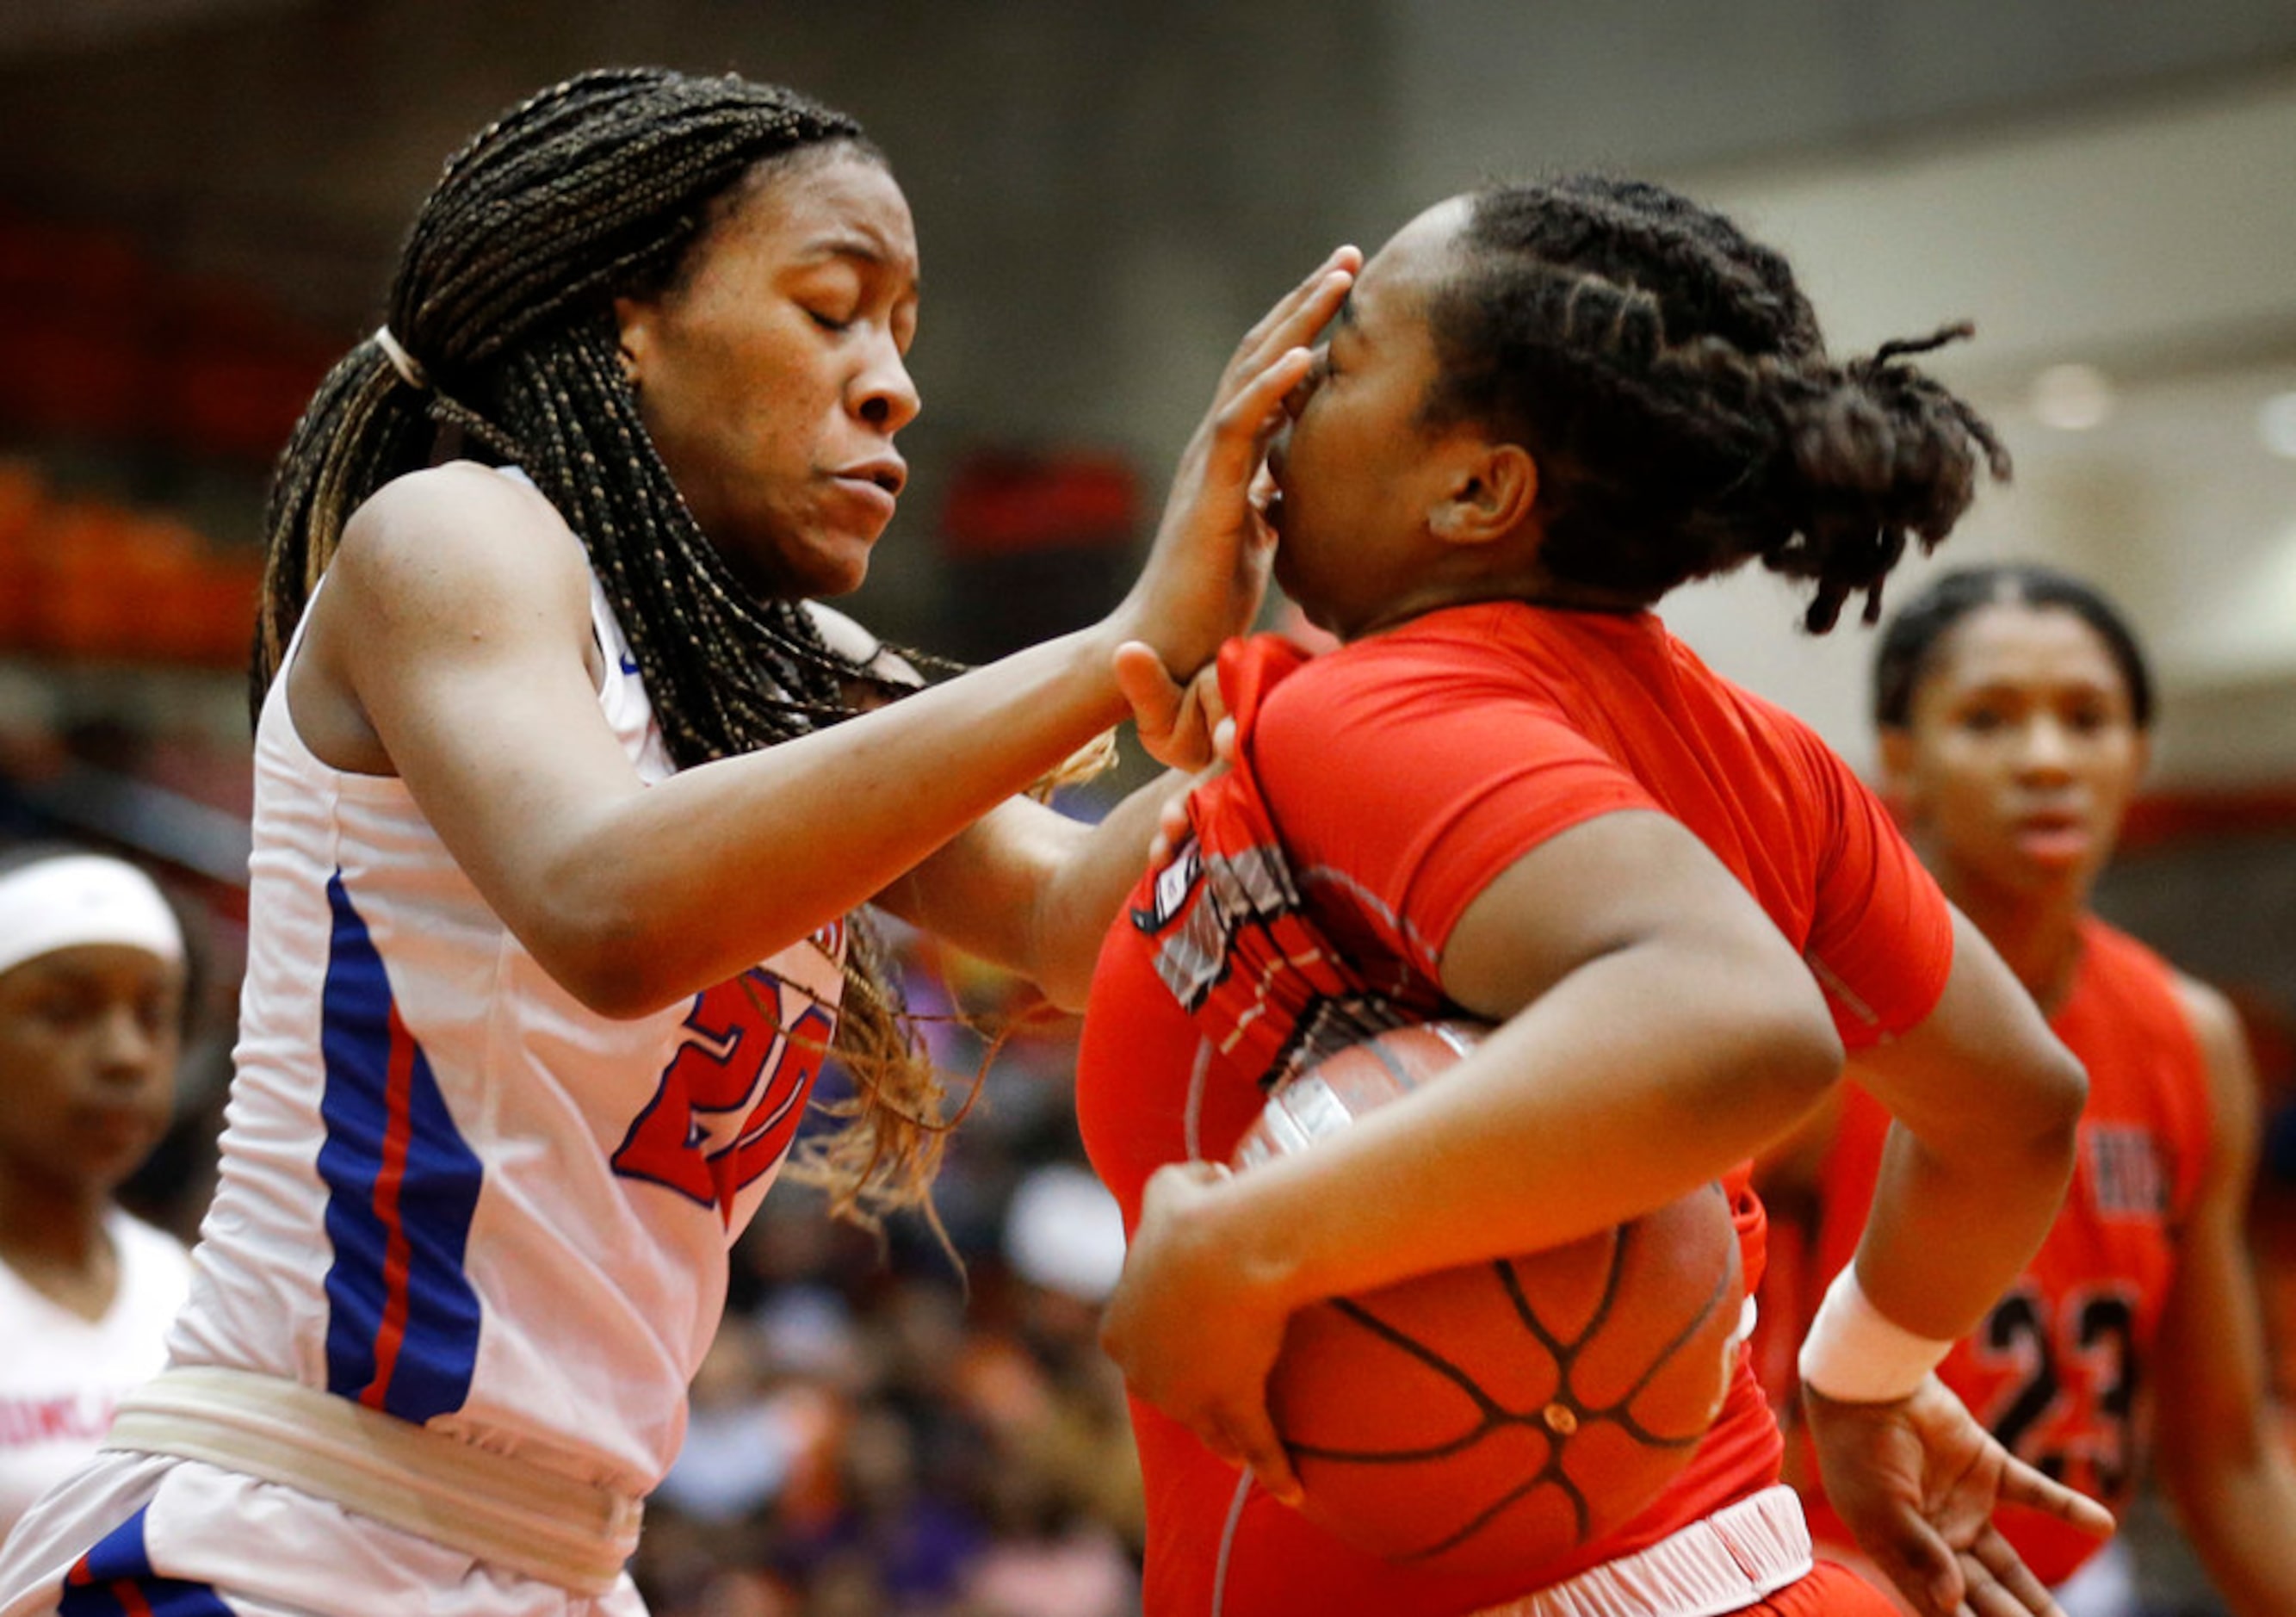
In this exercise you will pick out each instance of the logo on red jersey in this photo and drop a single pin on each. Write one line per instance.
(2127, 1178)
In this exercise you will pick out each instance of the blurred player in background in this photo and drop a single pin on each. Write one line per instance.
(2016, 710)
(92, 1005)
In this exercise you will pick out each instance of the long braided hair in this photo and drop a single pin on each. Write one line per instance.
(1672, 379)
(598, 187)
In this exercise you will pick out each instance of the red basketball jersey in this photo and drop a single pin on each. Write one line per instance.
(2056, 1368)
(1398, 776)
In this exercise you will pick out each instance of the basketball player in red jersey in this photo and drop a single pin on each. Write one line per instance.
(1511, 794)
(2014, 709)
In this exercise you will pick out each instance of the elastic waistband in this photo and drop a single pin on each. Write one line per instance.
(1725, 1563)
(487, 1506)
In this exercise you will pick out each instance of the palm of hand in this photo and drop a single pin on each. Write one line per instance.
(1918, 1481)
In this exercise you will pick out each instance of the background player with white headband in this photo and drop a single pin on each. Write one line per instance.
(92, 1007)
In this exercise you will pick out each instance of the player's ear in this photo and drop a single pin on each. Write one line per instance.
(633, 319)
(1488, 495)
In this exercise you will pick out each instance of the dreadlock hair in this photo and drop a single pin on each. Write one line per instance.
(1907, 655)
(1672, 380)
(603, 186)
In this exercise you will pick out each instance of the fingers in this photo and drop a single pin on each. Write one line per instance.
(2000, 1582)
(1210, 699)
(1178, 725)
(1922, 1566)
(1244, 422)
(1310, 303)
(1148, 686)
(1171, 831)
(2022, 1484)
(1262, 1451)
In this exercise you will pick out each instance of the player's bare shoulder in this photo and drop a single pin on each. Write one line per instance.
(435, 565)
(446, 561)
(458, 519)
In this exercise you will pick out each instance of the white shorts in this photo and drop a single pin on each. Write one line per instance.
(247, 1548)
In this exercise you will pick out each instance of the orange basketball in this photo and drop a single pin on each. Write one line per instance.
(1497, 1416)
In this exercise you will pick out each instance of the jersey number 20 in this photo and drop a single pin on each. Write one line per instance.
(729, 1101)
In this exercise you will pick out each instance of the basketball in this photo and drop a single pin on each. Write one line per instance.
(1496, 1416)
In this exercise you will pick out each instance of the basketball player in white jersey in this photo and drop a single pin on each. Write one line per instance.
(564, 795)
(92, 1007)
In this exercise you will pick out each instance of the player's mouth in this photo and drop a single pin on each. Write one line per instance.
(875, 485)
(888, 472)
(2053, 837)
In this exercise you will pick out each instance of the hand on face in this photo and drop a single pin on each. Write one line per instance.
(1208, 567)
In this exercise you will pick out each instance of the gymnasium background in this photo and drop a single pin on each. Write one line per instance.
(199, 199)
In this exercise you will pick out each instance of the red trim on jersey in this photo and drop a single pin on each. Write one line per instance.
(397, 1261)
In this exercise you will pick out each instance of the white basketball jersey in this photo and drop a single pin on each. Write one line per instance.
(447, 1190)
(60, 1375)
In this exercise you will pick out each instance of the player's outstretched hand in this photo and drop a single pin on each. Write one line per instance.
(1208, 567)
(1918, 1481)
(1191, 1331)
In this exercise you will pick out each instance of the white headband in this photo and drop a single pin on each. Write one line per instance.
(409, 368)
(78, 900)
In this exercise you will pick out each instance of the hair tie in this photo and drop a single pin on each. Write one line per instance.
(409, 368)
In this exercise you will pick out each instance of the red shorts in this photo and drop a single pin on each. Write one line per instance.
(1831, 1590)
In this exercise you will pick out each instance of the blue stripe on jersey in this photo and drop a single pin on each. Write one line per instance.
(115, 1580)
(403, 1318)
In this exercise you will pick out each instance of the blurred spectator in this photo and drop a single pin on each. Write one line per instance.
(94, 990)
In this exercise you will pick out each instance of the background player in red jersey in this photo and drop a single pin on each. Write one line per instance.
(1511, 794)
(2015, 713)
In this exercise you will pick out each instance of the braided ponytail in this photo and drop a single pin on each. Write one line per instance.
(600, 187)
(1671, 379)
(1876, 453)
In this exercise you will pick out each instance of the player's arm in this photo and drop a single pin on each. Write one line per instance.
(456, 616)
(1984, 1102)
(1654, 1029)
(2215, 1452)
(1034, 890)
(1985, 1105)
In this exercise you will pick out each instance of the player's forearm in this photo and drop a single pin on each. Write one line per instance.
(665, 890)
(1085, 891)
(1637, 1079)
(1032, 889)
(1949, 1231)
